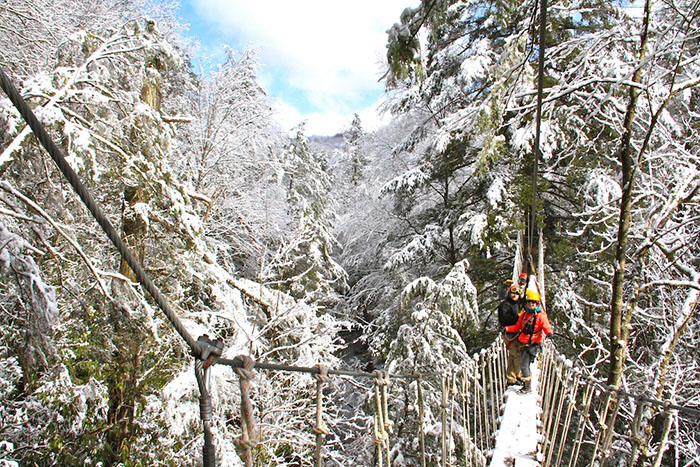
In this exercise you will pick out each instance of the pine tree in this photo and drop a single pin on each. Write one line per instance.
(357, 159)
(461, 196)
(304, 264)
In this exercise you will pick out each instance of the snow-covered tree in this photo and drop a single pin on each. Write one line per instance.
(304, 264)
(357, 160)
(638, 194)
(237, 224)
(101, 100)
(462, 193)
(230, 152)
(620, 98)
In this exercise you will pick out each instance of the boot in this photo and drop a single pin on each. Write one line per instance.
(527, 387)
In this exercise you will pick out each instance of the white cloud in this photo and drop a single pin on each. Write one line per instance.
(328, 122)
(323, 57)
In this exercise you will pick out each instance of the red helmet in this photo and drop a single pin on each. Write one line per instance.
(523, 275)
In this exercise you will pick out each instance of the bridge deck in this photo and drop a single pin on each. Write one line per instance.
(516, 439)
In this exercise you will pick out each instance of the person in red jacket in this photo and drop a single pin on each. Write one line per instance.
(534, 326)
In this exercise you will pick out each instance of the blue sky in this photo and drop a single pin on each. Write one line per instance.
(321, 60)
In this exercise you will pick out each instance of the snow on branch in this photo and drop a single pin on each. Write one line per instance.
(7, 187)
(34, 296)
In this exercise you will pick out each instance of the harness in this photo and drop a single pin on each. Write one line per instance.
(533, 317)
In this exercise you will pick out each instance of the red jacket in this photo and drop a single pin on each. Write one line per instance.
(515, 327)
(541, 327)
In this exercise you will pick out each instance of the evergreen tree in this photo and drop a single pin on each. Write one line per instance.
(462, 194)
(357, 159)
(304, 264)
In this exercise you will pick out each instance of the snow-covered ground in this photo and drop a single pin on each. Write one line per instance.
(516, 438)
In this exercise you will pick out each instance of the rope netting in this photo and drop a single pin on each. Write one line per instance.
(585, 422)
(470, 404)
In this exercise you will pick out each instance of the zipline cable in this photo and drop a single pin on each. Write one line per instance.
(60, 160)
(538, 122)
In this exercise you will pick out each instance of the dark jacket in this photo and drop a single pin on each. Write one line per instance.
(508, 312)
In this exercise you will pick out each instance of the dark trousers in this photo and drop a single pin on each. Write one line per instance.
(530, 352)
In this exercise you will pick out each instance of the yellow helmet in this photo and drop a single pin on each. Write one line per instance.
(531, 295)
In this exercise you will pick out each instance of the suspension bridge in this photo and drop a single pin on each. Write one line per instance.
(569, 419)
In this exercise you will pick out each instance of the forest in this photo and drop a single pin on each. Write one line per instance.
(370, 250)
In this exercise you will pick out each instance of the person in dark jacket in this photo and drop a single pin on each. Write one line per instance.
(508, 315)
(534, 326)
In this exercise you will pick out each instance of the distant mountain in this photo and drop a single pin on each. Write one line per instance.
(327, 143)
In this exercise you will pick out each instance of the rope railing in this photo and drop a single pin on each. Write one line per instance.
(320, 429)
(584, 422)
(469, 405)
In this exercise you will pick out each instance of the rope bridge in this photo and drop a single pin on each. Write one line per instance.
(581, 421)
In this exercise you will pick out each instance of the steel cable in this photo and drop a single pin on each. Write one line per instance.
(540, 84)
(68, 172)
(205, 410)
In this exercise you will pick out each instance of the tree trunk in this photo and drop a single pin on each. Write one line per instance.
(618, 342)
(134, 229)
(653, 428)
(128, 339)
(123, 389)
